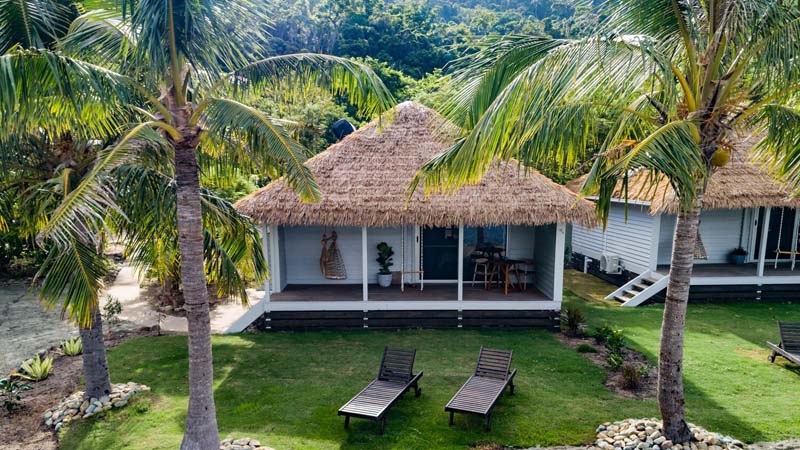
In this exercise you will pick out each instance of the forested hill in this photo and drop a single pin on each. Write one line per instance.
(418, 36)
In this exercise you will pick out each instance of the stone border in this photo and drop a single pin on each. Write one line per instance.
(646, 434)
(75, 407)
(242, 444)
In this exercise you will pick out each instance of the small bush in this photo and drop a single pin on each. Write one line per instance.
(11, 393)
(615, 341)
(586, 348)
(112, 310)
(37, 369)
(601, 333)
(72, 347)
(615, 361)
(573, 322)
(633, 375)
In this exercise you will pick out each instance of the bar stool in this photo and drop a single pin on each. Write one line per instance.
(481, 268)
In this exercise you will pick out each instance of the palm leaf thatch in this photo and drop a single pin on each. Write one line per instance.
(744, 182)
(364, 181)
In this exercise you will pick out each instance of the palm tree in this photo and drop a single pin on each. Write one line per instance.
(139, 208)
(189, 61)
(677, 79)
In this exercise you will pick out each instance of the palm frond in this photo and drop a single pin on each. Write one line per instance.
(670, 151)
(83, 210)
(779, 145)
(44, 91)
(72, 274)
(256, 141)
(341, 76)
(212, 36)
(101, 36)
(543, 115)
(32, 23)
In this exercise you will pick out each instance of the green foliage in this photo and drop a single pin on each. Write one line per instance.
(384, 259)
(615, 361)
(633, 375)
(11, 393)
(37, 369)
(112, 309)
(586, 348)
(615, 340)
(72, 347)
(573, 321)
(418, 37)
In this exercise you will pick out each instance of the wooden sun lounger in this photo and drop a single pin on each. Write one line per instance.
(482, 390)
(789, 347)
(394, 379)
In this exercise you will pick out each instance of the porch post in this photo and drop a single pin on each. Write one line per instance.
(460, 265)
(558, 263)
(364, 264)
(265, 249)
(762, 249)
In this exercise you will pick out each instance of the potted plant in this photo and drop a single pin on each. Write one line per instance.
(384, 259)
(738, 256)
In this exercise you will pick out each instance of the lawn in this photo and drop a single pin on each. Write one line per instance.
(284, 388)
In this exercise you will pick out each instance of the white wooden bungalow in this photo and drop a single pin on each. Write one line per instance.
(519, 214)
(744, 209)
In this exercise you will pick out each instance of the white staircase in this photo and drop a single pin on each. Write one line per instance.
(639, 289)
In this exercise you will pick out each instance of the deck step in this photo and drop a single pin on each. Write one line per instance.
(639, 289)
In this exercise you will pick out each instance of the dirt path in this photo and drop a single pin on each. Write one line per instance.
(138, 312)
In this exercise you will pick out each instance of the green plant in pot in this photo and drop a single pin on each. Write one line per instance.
(738, 256)
(384, 259)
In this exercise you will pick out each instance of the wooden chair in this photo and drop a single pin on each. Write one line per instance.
(789, 346)
(394, 379)
(482, 390)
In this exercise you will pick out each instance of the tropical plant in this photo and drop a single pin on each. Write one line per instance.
(37, 368)
(615, 361)
(632, 375)
(11, 393)
(72, 347)
(573, 321)
(384, 258)
(681, 79)
(194, 61)
(602, 333)
(112, 309)
(586, 348)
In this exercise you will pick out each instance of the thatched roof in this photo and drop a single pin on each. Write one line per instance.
(742, 183)
(363, 181)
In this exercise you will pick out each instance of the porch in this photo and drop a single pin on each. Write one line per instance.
(740, 274)
(431, 293)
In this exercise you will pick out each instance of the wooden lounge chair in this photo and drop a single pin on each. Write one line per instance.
(481, 391)
(395, 378)
(789, 347)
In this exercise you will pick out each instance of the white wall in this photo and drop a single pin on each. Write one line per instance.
(545, 243)
(282, 259)
(303, 247)
(719, 230)
(521, 241)
(631, 240)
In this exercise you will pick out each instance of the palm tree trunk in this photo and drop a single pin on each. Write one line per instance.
(671, 399)
(95, 365)
(201, 420)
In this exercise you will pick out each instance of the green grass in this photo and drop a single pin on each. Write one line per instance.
(284, 388)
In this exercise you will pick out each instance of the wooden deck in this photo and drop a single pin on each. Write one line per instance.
(431, 293)
(744, 270)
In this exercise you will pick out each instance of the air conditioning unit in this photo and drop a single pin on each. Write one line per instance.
(610, 264)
